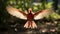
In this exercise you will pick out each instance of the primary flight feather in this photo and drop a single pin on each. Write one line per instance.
(29, 16)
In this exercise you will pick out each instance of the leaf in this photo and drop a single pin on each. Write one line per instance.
(49, 5)
(55, 16)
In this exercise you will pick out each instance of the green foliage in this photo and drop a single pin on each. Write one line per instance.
(55, 15)
(24, 5)
(49, 5)
(7, 19)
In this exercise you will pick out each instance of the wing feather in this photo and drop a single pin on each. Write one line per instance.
(41, 14)
(15, 12)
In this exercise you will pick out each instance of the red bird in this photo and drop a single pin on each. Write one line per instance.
(29, 16)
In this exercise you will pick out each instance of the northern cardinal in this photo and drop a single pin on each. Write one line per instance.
(29, 16)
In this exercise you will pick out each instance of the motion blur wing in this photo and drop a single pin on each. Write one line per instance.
(15, 12)
(41, 14)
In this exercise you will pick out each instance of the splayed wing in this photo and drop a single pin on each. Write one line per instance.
(15, 12)
(41, 14)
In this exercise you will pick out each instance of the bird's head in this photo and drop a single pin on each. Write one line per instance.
(29, 10)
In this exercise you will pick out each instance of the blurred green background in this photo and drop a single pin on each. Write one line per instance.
(8, 22)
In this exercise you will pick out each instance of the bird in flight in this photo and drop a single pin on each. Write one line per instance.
(29, 16)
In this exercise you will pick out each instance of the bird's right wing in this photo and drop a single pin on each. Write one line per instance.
(41, 14)
(15, 12)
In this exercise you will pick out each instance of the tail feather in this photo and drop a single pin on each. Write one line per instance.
(30, 24)
(26, 24)
(34, 24)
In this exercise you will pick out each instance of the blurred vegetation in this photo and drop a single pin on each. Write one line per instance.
(7, 19)
(36, 6)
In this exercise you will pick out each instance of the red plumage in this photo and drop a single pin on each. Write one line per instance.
(29, 16)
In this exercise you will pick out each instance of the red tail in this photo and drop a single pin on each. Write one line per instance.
(30, 24)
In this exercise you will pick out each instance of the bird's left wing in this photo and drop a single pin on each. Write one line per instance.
(41, 14)
(17, 13)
